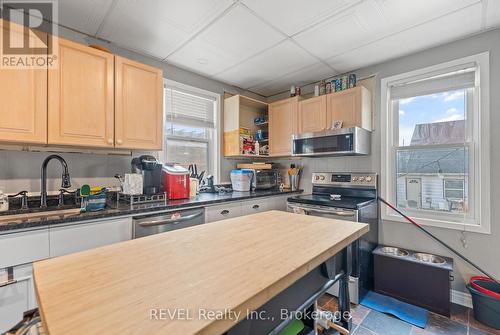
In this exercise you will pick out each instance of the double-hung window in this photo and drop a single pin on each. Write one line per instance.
(435, 144)
(191, 135)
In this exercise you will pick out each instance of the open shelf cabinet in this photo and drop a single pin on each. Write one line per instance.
(239, 115)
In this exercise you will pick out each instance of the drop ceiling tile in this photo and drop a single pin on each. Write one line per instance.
(372, 20)
(292, 16)
(157, 27)
(84, 16)
(301, 77)
(273, 63)
(404, 14)
(343, 32)
(235, 37)
(492, 14)
(439, 31)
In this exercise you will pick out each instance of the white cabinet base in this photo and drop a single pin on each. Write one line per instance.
(222, 212)
(83, 236)
(24, 247)
(16, 298)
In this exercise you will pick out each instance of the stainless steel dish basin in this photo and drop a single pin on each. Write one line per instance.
(39, 215)
(394, 251)
(428, 258)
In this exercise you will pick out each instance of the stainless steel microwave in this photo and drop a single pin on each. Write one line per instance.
(334, 142)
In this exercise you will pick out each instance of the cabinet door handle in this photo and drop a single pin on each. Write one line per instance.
(255, 206)
(224, 212)
(119, 142)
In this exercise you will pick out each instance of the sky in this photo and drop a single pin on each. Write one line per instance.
(439, 107)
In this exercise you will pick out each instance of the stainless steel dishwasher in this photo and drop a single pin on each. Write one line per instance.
(168, 221)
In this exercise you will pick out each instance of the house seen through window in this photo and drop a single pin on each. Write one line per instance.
(434, 122)
(432, 156)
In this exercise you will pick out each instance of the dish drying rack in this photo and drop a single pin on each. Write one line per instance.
(159, 199)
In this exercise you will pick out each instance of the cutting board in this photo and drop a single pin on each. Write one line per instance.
(255, 166)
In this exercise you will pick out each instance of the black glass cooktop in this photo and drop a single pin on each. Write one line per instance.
(325, 200)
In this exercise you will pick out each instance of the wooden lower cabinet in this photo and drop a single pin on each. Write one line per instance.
(312, 115)
(81, 101)
(23, 96)
(138, 105)
(282, 125)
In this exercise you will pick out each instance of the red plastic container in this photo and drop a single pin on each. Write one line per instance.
(175, 181)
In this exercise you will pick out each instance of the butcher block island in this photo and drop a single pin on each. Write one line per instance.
(199, 280)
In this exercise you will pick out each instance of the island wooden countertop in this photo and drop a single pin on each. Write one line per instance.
(232, 265)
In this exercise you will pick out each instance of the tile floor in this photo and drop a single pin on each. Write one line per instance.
(370, 322)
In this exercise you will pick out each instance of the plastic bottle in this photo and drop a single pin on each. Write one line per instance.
(4, 202)
(316, 90)
(257, 148)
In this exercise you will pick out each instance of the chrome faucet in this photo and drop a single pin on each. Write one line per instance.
(65, 180)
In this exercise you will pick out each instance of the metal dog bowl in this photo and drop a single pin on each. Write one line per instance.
(394, 251)
(428, 258)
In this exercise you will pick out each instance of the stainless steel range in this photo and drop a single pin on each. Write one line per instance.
(351, 197)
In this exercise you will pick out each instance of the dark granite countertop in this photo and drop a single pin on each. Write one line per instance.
(115, 208)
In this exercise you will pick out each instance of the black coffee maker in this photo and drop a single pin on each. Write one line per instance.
(150, 169)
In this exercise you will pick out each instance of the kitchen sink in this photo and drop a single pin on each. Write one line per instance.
(40, 214)
(394, 251)
(428, 258)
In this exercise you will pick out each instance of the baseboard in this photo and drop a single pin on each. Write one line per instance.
(461, 298)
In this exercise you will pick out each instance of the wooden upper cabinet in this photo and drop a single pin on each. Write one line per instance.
(139, 105)
(240, 112)
(23, 98)
(282, 125)
(81, 102)
(352, 107)
(312, 115)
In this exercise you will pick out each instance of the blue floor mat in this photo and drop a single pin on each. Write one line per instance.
(412, 314)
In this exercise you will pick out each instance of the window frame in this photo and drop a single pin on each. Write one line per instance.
(477, 141)
(462, 189)
(214, 149)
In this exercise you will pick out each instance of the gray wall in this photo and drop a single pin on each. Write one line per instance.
(20, 170)
(482, 249)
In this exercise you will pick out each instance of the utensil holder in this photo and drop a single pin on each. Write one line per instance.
(294, 182)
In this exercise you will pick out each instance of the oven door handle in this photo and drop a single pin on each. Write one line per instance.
(153, 223)
(324, 211)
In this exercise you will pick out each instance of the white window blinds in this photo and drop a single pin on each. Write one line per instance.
(460, 79)
(188, 108)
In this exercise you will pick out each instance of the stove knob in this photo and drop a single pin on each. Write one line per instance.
(322, 177)
(361, 179)
(316, 177)
(368, 179)
(354, 178)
